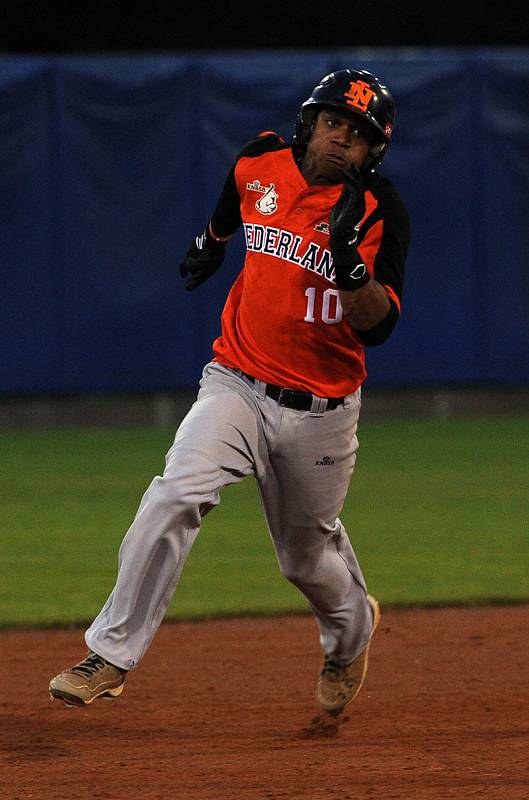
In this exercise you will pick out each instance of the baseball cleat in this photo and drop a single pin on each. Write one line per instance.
(91, 678)
(338, 685)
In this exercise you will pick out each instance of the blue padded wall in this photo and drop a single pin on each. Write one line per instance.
(109, 166)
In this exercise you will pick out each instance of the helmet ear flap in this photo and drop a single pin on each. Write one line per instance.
(304, 127)
(377, 150)
(375, 155)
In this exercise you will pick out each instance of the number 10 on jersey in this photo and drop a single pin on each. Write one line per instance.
(331, 308)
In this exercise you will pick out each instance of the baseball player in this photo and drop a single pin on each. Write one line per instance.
(326, 240)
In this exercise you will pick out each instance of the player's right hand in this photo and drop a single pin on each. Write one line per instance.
(344, 223)
(347, 214)
(203, 258)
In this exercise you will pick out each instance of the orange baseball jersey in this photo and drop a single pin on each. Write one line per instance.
(283, 321)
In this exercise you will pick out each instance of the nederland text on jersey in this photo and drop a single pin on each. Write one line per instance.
(285, 245)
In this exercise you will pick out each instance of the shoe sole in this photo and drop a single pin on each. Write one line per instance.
(376, 619)
(375, 605)
(73, 700)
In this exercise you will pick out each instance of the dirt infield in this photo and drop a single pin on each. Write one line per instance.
(223, 710)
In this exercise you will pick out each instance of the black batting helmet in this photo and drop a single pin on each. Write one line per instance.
(357, 92)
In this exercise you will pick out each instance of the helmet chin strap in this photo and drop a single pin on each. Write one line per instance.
(371, 162)
(370, 177)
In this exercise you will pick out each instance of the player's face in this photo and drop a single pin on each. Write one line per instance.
(338, 141)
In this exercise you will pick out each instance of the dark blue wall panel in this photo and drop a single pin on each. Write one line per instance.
(110, 165)
(31, 273)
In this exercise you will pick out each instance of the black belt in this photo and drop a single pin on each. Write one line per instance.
(292, 398)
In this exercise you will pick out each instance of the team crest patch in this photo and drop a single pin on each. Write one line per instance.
(266, 204)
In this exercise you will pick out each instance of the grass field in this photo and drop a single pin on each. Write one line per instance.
(438, 512)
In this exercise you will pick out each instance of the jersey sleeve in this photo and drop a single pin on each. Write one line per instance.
(227, 215)
(386, 235)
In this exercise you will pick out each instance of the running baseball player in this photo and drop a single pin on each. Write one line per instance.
(326, 240)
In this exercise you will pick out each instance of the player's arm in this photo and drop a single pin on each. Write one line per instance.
(370, 276)
(366, 307)
(208, 250)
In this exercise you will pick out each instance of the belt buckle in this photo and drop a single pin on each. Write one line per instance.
(286, 397)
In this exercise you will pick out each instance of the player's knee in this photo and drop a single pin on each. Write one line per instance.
(296, 572)
(181, 500)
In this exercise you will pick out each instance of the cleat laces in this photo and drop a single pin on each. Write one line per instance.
(91, 664)
(331, 667)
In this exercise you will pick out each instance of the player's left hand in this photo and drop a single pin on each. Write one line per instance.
(344, 224)
(202, 260)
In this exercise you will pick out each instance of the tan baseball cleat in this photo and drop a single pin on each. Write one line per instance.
(338, 685)
(91, 678)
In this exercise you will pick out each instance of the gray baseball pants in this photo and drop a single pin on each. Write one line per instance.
(303, 462)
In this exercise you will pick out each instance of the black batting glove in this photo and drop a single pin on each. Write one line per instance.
(344, 224)
(202, 260)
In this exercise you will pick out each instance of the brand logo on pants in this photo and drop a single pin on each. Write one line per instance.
(325, 462)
